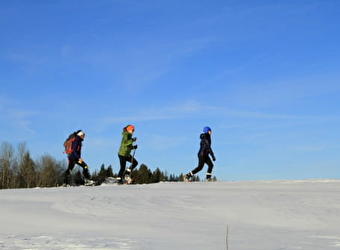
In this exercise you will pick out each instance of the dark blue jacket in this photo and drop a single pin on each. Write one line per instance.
(205, 145)
(76, 148)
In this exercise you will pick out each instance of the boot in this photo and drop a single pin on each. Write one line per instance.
(187, 177)
(119, 180)
(86, 172)
(66, 181)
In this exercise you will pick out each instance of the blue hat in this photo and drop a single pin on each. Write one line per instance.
(206, 129)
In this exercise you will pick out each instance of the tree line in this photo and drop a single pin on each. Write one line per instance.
(19, 170)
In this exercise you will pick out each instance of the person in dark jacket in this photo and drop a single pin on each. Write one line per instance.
(203, 155)
(75, 158)
(124, 153)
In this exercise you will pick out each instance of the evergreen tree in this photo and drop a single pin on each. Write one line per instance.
(143, 175)
(109, 171)
(157, 176)
(27, 171)
(195, 178)
(102, 174)
(165, 176)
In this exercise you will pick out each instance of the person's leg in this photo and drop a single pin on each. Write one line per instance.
(86, 172)
(210, 168)
(134, 163)
(201, 160)
(68, 171)
(128, 171)
(122, 161)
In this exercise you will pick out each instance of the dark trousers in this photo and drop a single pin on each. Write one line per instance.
(71, 164)
(123, 160)
(201, 161)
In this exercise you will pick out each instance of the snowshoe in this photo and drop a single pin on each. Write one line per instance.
(128, 179)
(187, 178)
(88, 182)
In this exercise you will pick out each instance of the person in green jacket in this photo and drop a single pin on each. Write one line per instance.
(124, 153)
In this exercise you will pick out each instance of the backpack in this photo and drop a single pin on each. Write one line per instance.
(68, 142)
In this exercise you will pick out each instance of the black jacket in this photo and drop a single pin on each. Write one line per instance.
(205, 145)
(76, 148)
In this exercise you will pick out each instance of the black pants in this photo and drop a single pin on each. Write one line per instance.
(71, 164)
(123, 160)
(201, 161)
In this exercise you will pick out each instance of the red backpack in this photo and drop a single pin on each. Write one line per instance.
(68, 142)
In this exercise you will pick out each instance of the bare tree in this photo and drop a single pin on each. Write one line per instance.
(49, 171)
(6, 161)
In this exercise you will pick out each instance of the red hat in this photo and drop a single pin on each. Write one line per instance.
(129, 127)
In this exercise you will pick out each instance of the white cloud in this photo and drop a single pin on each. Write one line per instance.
(15, 117)
(190, 109)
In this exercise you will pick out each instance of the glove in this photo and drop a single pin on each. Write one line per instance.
(213, 158)
(134, 146)
(134, 139)
(80, 160)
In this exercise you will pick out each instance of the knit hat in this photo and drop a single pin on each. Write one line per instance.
(129, 127)
(80, 133)
(206, 129)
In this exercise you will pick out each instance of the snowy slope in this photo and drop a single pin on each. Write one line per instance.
(259, 215)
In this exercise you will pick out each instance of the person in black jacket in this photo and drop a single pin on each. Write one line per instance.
(75, 158)
(203, 155)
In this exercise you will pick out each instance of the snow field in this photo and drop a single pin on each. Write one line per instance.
(260, 215)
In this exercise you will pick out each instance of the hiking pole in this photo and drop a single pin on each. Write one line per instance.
(132, 157)
(127, 177)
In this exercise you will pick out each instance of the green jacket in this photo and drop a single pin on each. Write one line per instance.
(126, 144)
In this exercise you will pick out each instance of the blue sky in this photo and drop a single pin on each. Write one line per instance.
(264, 75)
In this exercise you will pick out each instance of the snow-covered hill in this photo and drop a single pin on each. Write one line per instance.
(263, 215)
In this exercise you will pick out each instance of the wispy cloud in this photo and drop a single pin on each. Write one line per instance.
(135, 68)
(310, 148)
(21, 118)
(14, 117)
(27, 61)
(192, 109)
(159, 143)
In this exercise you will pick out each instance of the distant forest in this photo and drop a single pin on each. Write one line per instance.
(19, 170)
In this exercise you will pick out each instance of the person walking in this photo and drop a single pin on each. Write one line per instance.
(124, 154)
(203, 156)
(74, 157)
